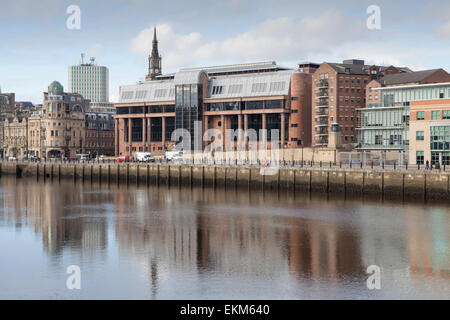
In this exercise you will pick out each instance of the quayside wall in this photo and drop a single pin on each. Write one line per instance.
(391, 184)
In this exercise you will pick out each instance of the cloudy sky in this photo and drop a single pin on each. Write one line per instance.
(36, 47)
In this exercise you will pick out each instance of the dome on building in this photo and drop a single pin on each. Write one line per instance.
(55, 88)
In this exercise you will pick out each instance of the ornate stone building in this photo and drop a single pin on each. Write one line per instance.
(61, 124)
(56, 130)
(15, 141)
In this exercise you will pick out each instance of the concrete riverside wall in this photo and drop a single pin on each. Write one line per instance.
(390, 184)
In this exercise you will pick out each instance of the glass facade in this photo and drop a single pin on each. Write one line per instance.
(136, 130)
(387, 126)
(440, 137)
(402, 96)
(188, 101)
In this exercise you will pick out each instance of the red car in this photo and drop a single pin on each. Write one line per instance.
(123, 159)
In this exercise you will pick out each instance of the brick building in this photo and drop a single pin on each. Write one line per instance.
(99, 133)
(339, 90)
(243, 96)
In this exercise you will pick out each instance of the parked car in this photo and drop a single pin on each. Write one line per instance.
(144, 157)
(123, 159)
(35, 159)
(12, 159)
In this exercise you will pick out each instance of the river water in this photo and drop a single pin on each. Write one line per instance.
(158, 243)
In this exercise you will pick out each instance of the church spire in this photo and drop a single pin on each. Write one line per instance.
(154, 67)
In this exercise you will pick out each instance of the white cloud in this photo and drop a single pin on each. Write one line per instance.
(283, 39)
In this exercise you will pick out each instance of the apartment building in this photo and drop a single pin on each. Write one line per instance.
(99, 133)
(338, 92)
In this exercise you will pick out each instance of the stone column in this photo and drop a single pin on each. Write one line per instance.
(149, 132)
(239, 139)
(144, 130)
(222, 130)
(245, 129)
(264, 127)
(129, 137)
(205, 128)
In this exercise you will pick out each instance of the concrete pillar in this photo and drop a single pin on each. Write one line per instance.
(205, 128)
(264, 127)
(239, 130)
(245, 129)
(222, 130)
(129, 137)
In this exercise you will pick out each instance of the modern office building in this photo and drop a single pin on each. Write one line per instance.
(385, 120)
(338, 94)
(242, 96)
(92, 82)
(430, 126)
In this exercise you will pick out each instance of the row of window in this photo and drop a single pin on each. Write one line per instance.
(108, 134)
(435, 115)
(436, 157)
(99, 144)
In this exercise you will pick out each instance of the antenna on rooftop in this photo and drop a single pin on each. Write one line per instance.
(82, 58)
(92, 59)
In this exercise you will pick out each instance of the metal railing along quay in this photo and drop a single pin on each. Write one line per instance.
(368, 165)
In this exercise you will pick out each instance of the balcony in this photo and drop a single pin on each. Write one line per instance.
(322, 83)
(321, 112)
(323, 131)
(322, 94)
(322, 122)
(322, 102)
(321, 140)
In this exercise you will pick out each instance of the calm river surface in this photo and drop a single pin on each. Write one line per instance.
(159, 243)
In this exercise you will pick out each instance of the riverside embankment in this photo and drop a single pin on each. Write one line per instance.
(391, 184)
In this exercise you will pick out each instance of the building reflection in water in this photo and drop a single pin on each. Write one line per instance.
(65, 216)
(230, 233)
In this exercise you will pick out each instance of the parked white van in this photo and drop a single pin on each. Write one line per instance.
(144, 157)
(174, 155)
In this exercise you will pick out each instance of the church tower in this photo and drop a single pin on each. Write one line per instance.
(154, 61)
